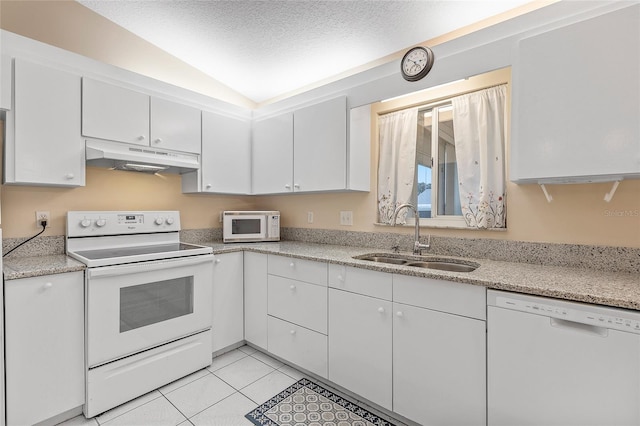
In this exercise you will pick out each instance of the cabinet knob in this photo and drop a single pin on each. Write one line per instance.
(208, 186)
(381, 310)
(217, 260)
(340, 278)
(287, 186)
(399, 314)
(292, 265)
(141, 137)
(292, 287)
(158, 140)
(47, 286)
(292, 332)
(296, 185)
(69, 176)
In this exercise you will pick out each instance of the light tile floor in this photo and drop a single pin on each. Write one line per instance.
(221, 394)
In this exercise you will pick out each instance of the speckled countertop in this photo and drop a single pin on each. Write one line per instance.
(617, 289)
(26, 267)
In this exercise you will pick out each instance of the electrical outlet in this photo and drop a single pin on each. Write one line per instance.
(309, 217)
(346, 218)
(40, 216)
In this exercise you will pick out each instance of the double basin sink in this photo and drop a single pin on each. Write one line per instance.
(453, 265)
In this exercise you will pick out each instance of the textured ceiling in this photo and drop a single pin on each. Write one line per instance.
(266, 49)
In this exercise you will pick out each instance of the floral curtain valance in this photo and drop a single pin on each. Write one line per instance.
(479, 128)
(397, 162)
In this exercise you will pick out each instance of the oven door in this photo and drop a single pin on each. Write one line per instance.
(244, 227)
(139, 306)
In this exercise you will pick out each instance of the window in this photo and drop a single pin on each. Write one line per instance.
(435, 185)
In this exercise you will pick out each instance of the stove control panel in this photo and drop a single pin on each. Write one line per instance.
(93, 223)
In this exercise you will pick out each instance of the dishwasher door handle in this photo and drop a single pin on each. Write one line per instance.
(579, 327)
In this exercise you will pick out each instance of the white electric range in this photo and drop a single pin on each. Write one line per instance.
(147, 302)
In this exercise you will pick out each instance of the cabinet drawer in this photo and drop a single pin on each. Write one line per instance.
(445, 296)
(361, 281)
(299, 302)
(298, 269)
(304, 348)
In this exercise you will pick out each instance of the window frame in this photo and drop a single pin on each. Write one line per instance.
(435, 96)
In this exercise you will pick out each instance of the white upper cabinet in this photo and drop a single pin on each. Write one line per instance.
(273, 155)
(6, 78)
(303, 151)
(320, 146)
(118, 114)
(226, 154)
(576, 102)
(114, 113)
(43, 144)
(175, 126)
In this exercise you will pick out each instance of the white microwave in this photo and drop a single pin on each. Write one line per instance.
(249, 226)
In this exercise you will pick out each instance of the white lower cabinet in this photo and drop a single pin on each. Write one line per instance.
(297, 312)
(360, 345)
(439, 367)
(255, 299)
(44, 341)
(228, 306)
(298, 345)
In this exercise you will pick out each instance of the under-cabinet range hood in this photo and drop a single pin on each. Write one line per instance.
(139, 158)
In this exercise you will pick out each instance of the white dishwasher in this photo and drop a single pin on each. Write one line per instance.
(553, 362)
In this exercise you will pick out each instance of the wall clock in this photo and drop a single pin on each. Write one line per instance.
(416, 63)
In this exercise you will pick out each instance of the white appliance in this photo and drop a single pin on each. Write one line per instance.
(148, 303)
(553, 362)
(249, 226)
(137, 158)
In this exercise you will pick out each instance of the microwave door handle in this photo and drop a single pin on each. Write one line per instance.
(112, 271)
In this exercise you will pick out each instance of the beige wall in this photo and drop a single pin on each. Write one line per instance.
(577, 214)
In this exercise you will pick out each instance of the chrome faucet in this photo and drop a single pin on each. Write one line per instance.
(417, 246)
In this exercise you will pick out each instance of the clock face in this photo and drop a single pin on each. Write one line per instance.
(416, 63)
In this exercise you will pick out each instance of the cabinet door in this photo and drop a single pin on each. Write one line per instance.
(228, 309)
(175, 126)
(255, 299)
(6, 79)
(320, 146)
(576, 111)
(299, 346)
(272, 151)
(298, 302)
(226, 154)
(114, 113)
(439, 367)
(44, 326)
(43, 139)
(360, 345)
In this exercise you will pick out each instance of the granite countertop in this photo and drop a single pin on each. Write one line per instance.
(35, 266)
(617, 289)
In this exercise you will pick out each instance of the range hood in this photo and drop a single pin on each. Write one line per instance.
(139, 158)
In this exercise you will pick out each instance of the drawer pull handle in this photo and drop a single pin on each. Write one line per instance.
(399, 314)
(292, 265)
(217, 260)
(47, 286)
(292, 287)
(340, 278)
(381, 310)
(292, 332)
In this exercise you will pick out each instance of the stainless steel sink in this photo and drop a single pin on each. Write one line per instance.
(443, 266)
(384, 259)
(453, 265)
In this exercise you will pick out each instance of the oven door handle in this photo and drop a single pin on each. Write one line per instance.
(116, 270)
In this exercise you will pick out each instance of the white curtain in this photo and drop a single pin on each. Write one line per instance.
(479, 128)
(397, 162)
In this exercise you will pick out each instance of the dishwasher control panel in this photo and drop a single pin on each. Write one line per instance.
(611, 318)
